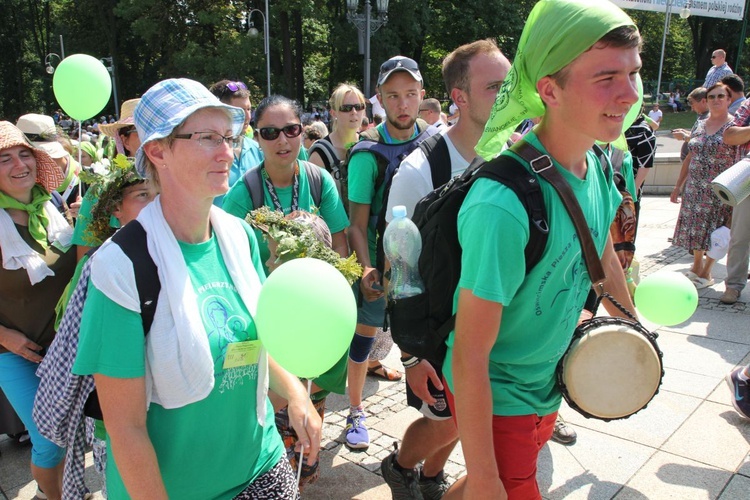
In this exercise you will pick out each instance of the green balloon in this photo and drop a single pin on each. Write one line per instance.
(82, 86)
(306, 316)
(666, 298)
(635, 109)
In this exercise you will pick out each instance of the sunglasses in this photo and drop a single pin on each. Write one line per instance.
(212, 140)
(716, 96)
(272, 133)
(347, 108)
(235, 86)
(713, 57)
(401, 62)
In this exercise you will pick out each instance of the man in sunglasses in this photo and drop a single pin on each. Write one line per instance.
(473, 74)
(719, 70)
(400, 93)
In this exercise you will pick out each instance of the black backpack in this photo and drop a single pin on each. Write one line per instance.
(253, 180)
(132, 240)
(420, 324)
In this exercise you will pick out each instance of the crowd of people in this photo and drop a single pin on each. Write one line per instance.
(129, 279)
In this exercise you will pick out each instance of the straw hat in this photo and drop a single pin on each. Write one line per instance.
(48, 174)
(126, 119)
(41, 130)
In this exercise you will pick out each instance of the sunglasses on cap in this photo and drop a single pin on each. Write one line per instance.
(235, 86)
(347, 108)
(399, 62)
(272, 133)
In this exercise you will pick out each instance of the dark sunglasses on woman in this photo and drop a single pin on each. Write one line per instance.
(272, 133)
(347, 108)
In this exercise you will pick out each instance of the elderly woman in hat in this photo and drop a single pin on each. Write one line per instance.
(187, 411)
(126, 142)
(37, 263)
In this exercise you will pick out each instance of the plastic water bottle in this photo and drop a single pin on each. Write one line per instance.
(402, 245)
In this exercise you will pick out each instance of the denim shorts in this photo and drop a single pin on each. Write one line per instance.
(369, 313)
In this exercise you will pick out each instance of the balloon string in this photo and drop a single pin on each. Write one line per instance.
(302, 448)
(80, 184)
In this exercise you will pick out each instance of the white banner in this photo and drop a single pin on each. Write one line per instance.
(724, 9)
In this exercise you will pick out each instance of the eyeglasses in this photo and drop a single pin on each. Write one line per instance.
(128, 131)
(212, 140)
(424, 110)
(716, 96)
(235, 86)
(272, 133)
(347, 108)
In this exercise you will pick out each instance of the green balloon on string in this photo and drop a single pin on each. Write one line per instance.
(666, 298)
(82, 86)
(306, 316)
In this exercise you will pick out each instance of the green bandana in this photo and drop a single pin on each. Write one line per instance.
(38, 220)
(556, 32)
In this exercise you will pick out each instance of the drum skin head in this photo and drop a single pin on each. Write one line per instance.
(611, 372)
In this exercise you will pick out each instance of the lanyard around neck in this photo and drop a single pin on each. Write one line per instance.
(275, 197)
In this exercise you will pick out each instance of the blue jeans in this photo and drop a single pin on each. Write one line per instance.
(19, 382)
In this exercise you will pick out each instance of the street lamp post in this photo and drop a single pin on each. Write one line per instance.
(684, 14)
(253, 31)
(367, 25)
(110, 65)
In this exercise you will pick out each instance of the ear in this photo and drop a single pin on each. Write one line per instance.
(548, 90)
(421, 95)
(117, 212)
(458, 96)
(157, 152)
(380, 99)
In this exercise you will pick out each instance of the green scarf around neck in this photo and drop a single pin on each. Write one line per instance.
(556, 32)
(38, 220)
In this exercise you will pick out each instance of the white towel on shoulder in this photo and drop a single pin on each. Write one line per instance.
(17, 254)
(179, 365)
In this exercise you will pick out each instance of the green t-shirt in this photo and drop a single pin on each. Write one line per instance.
(212, 448)
(541, 309)
(361, 177)
(238, 203)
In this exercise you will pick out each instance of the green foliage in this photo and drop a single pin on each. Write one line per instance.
(313, 46)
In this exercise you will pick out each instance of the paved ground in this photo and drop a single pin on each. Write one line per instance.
(688, 444)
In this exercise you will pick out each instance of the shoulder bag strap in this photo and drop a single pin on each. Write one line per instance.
(542, 165)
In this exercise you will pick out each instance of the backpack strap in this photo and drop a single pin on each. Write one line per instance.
(58, 202)
(435, 149)
(327, 153)
(253, 180)
(507, 170)
(315, 180)
(132, 240)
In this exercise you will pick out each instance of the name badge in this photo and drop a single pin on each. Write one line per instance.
(242, 354)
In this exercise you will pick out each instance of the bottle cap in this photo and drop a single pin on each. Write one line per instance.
(399, 211)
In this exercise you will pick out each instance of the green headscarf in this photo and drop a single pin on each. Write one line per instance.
(90, 150)
(38, 220)
(556, 32)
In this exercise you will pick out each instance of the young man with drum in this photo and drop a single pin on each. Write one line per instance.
(576, 65)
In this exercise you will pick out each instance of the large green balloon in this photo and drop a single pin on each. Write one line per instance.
(82, 86)
(306, 316)
(666, 298)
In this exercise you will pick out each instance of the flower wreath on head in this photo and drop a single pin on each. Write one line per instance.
(296, 240)
(108, 182)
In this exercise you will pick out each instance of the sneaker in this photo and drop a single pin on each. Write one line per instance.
(404, 485)
(730, 296)
(563, 433)
(740, 392)
(433, 488)
(357, 437)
